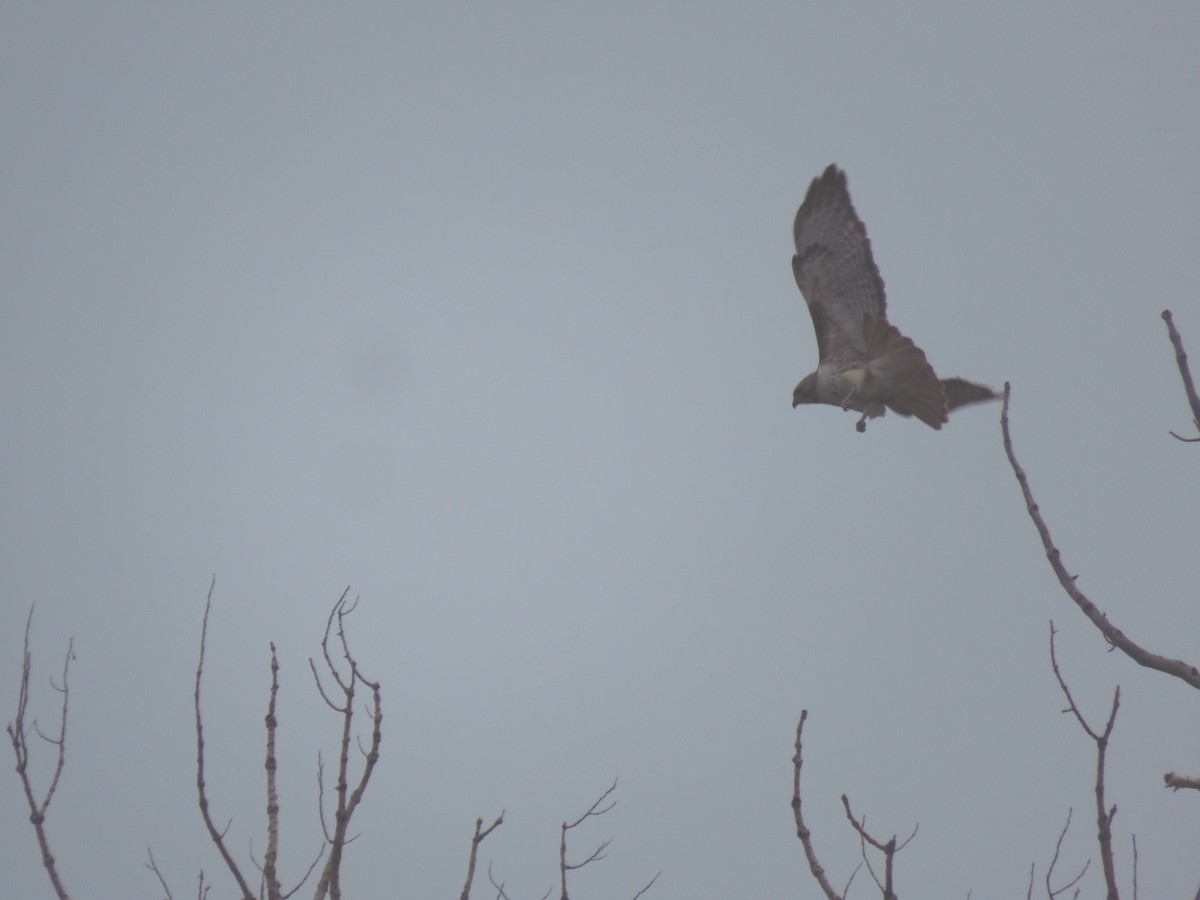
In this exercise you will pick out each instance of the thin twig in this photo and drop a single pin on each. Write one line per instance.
(1104, 815)
(1115, 637)
(1051, 892)
(347, 800)
(153, 867)
(218, 837)
(499, 886)
(888, 848)
(18, 733)
(1185, 373)
(596, 855)
(1133, 838)
(649, 884)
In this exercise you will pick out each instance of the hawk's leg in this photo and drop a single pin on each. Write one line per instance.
(848, 399)
(861, 424)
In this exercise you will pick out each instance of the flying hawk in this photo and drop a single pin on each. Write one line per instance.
(864, 362)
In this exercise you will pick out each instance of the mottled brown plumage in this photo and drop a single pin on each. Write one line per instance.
(864, 362)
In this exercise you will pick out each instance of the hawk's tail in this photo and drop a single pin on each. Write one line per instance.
(900, 367)
(960, 392)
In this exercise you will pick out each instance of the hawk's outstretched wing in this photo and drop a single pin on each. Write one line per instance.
(834, 268)
(864, 362)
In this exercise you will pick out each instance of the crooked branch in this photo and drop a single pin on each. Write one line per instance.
(1104, 814)
(1117, 638)
(18, 734)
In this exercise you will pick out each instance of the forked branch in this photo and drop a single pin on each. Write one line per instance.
(476, 840)
(18, 734)
(1104, 814)
(888, 848)
(347, 676)
(1051, 891)
(597, 809)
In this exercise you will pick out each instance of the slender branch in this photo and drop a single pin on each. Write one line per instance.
(649, 884)
(888, 848)
(598, 808)
(499, 886)
(1104, 815)
(802, 831)
(218, 837)
(347, 799)
(1115, 637)
(597, 854)
(307, 872)
(1185, 374)
(1051, 892)
(476, 840)
(270, 873)
(153, 867)
(1133, 838)
(18, 733)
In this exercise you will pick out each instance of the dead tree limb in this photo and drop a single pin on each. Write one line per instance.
(802, 831)
(269, 871)
(18, 734)
(888, 848)
(476, 840)
(1104, 814)
(347, 799)
(218, 837)
(595, 810)
(1176, 667)
(1185, 374)
(1052, 892)
(500, 885)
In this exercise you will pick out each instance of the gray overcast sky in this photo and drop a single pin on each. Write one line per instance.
(486, 310)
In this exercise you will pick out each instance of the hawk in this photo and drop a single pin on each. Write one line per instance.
(864, 362)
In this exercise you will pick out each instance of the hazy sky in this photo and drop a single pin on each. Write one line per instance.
(486, 311)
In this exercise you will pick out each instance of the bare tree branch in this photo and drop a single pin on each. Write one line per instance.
(153, 867)
(1185, 374)
(1115, 637)
(270, 875)
(347, 800)
(499, 886)
(649, 884)
(598, 854)
(18, 733)
(1052, 892)
(218, 837)
(1104, 815)
(476, 840)
(802, 831)
(1133, 838)
(888, 848)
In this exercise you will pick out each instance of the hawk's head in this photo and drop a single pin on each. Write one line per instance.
(806, 391)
